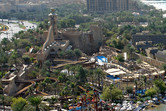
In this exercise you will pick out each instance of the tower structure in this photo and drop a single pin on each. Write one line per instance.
(53, 21)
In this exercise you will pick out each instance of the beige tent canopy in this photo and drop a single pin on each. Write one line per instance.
(115, 72)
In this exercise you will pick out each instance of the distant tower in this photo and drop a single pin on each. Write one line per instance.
(53, 21)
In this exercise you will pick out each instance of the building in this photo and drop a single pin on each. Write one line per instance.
(154, 39)
(161, 55)
(110, 5)
(56, 41)
(150, 52)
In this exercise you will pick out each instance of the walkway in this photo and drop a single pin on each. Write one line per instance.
(70, 63)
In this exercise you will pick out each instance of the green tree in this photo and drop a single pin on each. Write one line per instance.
(36, 102)
(26, 59)
(73, 69)
(5, 41)
(2, 98)
(77, 52)
(116, 94)
(60, 78)
(136, 86)
(52, 100)
(120, 58)
(67, 23)
(47, 65)
(160, 85)
(91, 76)
(129, 90)
(61, 54)
(3, 60)
(106, 95)
(100, 76)
(43, 86)
(68, 68)
(47, 80)
(14, 59)
(18, 104)
(112, 93)
(145, 81)
(81, 74)
(151, 92)
(70, 54)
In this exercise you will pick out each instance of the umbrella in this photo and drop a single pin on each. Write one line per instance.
(113, 104)
(150, 101)
(155, 99)
(117, 108)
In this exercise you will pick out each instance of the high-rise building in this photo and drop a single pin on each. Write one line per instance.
(109, 5)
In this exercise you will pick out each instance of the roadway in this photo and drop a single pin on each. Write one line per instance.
(14, 28)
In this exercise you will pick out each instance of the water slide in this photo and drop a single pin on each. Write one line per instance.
(32, 82)
(25, 88)
(48, 38)
(70, 63)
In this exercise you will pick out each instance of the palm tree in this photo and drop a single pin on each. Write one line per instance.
(72, 85)
(43, 86)
(145, 81)
(52, 100)
(5, 41)
(136, 86)
(3, 59)
(2, 97)
(91, 75)
(36, 102)
(73, 69)
(54, 87)
(81, 74)
(65, 92)
(164, 68)
(68, 68)
(100, 76)
(47, 65)
(15, 43)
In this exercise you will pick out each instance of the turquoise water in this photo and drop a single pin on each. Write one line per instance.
(161, 107)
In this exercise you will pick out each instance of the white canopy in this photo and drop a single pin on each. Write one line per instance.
(115, 72)
(112, 70)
